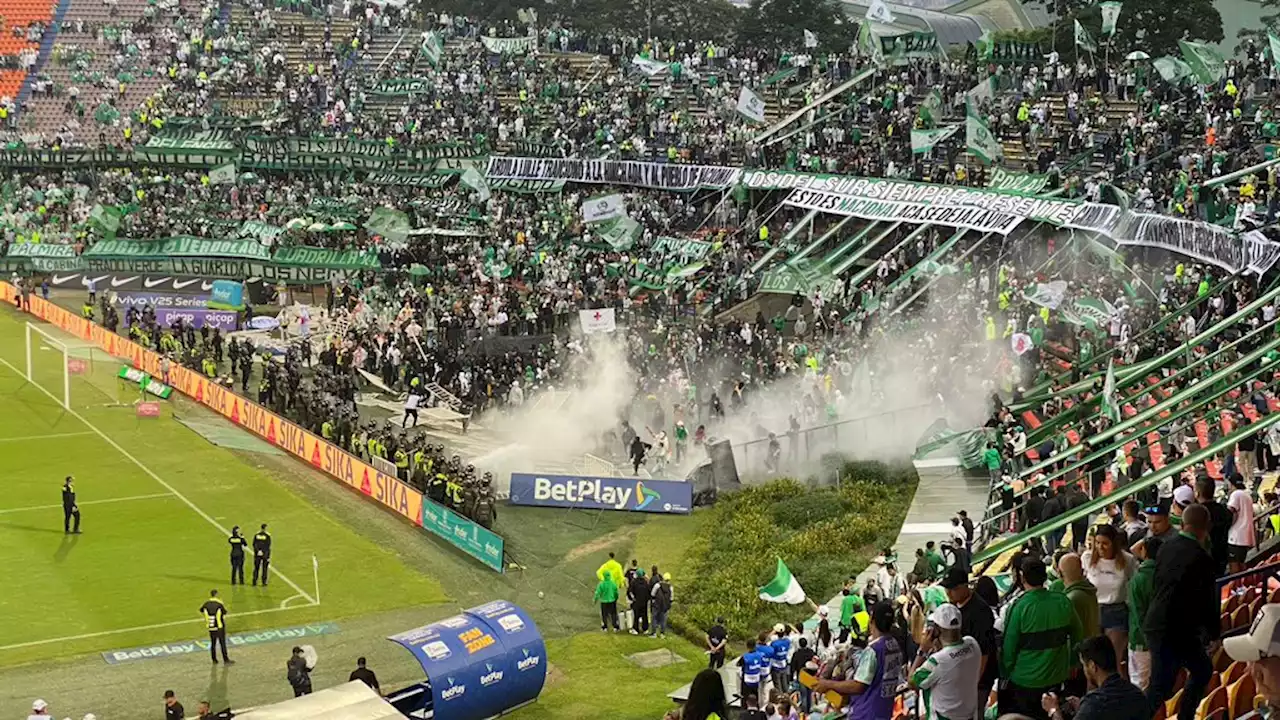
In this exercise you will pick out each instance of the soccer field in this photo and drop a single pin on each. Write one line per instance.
(158, 502)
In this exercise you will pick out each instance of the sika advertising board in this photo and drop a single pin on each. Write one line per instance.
(328, 458)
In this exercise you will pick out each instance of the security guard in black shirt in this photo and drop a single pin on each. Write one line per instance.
(69, 507)
(215, 620)
(261, 554)
(237, 543)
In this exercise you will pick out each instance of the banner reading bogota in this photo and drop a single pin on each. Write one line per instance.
(596, 493)
(323, 456)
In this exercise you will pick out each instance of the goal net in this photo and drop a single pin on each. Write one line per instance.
(77, 374)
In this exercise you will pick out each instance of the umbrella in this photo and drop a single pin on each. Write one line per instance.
(295, 223)
(342, 226)
(1137, 55)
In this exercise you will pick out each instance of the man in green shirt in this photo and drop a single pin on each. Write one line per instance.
(991, 456)
(1041, 628)
(850, 604)
(1141, 589)
(607, 595)
(937, 566)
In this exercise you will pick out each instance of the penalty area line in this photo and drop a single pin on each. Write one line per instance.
(140, 628)
(147, 470)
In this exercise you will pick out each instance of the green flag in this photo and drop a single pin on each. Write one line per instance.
(923, 141)
(1273, 43)
(432, 49)
(980, 141)
(1110, 12)
(783, 588)
(1206, 63)
(1084, 39)
(1110, 407)
(1172, 69)
(931, 108)
(985, 46)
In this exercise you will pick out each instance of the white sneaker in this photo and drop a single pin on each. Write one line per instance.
(633, 631)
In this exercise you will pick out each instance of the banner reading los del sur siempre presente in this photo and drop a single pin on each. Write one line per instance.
(335, 462)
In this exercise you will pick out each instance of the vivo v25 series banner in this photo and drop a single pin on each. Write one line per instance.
(594, 493)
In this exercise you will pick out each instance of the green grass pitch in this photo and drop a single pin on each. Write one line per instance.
(155, 499)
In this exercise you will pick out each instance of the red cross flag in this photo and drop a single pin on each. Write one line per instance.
(598, 320)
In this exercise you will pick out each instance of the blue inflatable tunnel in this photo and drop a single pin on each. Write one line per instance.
(487, 661)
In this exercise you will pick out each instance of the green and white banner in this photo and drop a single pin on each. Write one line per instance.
(1206, 63)
(328, 258)
(1273, 46)
(1010, 181)
(1172, 69)
(664, 176)
(398, 87)
(931, 108)
(510, 46)
(432, 48)
(191, 142)
(652, 68)
(922, 141)
(620, 233)
(178, 246)
(980, 141)
(604, 207)
(910, 45)
(1110, 13)
(223, 175)
(686, 250)
(1084, 39)
(41, 257)
(473, 179)
(409, 179)
(984, 91)
(750, 105)
(527, 186)
(1050, 294)
(264, 233)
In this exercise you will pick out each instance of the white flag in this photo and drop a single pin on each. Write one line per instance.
(879, 12)
(1110, 13)
(750, 105)
(783, 588)
(604, 207)
(1021, 343)
(474, 180)
(980, 141)
(599, 320)
(810, 40)
(1084, 39)
(223, 174)
(1110, 407)
(923, 141)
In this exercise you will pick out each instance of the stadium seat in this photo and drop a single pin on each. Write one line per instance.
(1240, 695)
(1234, 672)
(1222, 661)
(1214, 701)
(1173, 703)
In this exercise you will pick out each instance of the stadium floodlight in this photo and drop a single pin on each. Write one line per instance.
(89, 365)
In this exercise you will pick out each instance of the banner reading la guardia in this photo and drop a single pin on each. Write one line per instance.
(596, 493)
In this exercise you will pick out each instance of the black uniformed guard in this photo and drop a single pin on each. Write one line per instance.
(261, 554)
(237, 543)
(69, 507)
(215, 620)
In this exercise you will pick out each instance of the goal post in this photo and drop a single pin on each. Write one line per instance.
(76, 374)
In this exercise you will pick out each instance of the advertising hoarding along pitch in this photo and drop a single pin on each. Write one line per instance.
(386, 490)
(595, 493)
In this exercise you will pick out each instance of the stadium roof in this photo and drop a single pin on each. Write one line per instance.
(959, 24)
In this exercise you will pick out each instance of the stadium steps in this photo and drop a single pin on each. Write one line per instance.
(915, 271)
(787, 239)
(832, 232)
(890, 292)
(840, 264)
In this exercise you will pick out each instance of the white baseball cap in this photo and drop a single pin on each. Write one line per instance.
(1184, 495)
(946, 616)
(39, 705)
(1263, 639)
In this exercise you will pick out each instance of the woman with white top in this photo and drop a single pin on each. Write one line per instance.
(1108, 566)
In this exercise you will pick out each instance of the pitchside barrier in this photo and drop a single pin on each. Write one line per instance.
(377, 486)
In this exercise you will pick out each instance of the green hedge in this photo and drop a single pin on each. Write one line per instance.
(824, 535)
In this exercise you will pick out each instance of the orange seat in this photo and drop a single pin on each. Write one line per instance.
(1172, 704)
(1214, 701)
(1234, 672)
(1240, 695)
(1221, 660)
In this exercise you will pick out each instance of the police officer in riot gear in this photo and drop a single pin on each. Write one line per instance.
(261, 554)
(237, 543)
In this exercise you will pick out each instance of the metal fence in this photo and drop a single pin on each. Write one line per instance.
(893, 432)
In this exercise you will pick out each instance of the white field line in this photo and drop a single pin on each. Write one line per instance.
(52, 436)
(153, 475)
(157, 626)
(6, 511)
